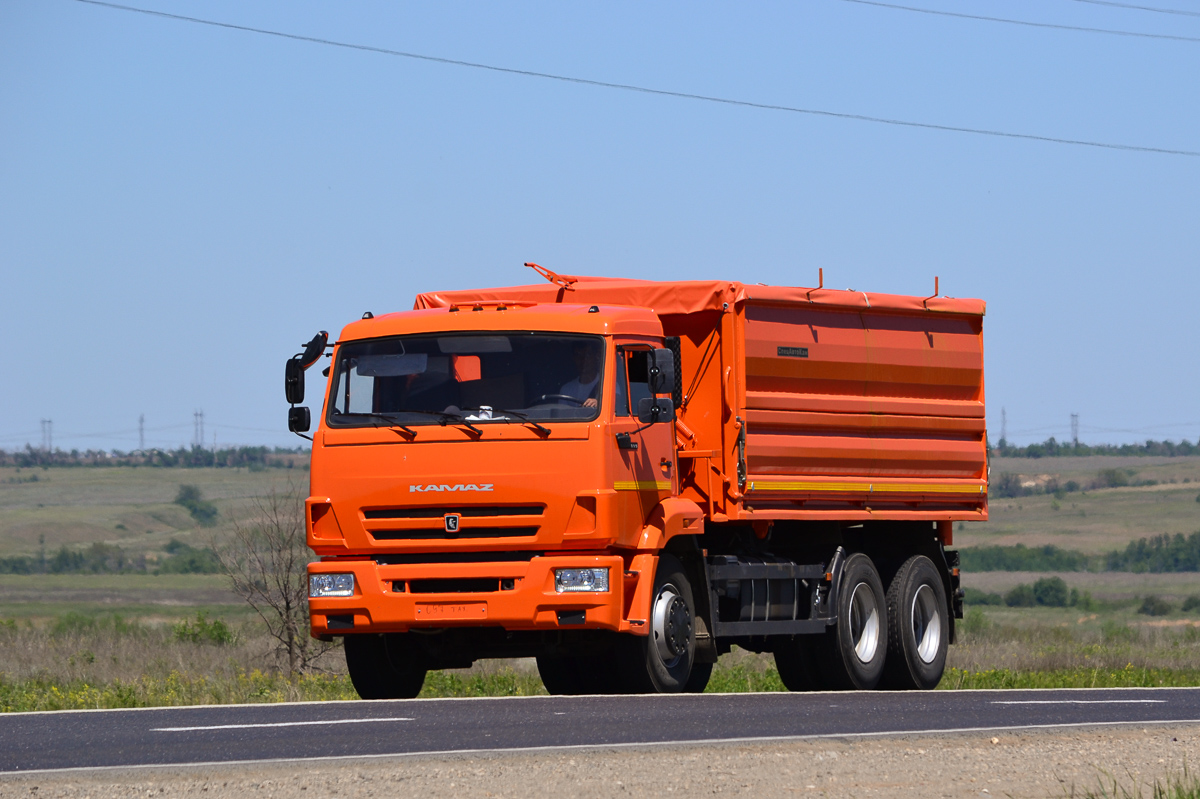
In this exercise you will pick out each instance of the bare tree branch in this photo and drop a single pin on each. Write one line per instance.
(265, 561)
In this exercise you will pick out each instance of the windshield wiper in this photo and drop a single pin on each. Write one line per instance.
(523, 417)
(442, 416)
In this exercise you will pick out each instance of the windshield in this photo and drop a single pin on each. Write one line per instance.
(477, 377)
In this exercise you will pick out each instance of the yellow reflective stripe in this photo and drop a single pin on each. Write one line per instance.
(642, 485)
(867, 488)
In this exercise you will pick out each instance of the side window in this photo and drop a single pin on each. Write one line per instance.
(638, 365)
(621, 406)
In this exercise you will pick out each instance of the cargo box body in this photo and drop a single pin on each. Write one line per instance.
(811, 403)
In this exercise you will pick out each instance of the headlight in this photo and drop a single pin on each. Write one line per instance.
(330, 585)
(566, 580)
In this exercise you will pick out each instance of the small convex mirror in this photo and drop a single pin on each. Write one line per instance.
(662, 371)
(293, 381)
(652, 410)
(299, 419)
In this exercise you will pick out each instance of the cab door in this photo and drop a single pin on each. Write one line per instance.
(644, 468)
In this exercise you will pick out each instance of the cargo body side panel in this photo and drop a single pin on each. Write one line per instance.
(879, 414)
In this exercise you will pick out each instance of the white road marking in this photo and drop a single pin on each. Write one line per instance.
(277, 724)
(1080, 702)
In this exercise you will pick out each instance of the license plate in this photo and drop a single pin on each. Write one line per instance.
(451, 610)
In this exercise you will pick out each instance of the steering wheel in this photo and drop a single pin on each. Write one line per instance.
(558, 398)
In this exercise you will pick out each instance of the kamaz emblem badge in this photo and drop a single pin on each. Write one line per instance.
(452, 520)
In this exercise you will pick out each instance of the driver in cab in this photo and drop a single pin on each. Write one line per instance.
(584, 387)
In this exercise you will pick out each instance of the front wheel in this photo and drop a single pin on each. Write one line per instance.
(918, 626)
(387, 666)
(662, 662)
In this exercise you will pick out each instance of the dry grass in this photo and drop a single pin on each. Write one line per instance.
(84, 505)
(1092, 521)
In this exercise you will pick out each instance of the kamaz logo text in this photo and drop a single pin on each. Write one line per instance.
(457, 487)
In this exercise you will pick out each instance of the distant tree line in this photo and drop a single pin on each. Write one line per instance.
(1008, 484)
(99, 558)
(1161, 553)
(1051, 448)
(252, 458)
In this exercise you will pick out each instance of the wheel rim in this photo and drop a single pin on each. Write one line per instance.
(926, 624)
(671, 625)
(864, 622)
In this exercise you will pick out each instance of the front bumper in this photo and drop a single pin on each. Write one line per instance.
(531, 603)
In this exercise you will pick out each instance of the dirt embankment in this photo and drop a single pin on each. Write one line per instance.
(1027, 764)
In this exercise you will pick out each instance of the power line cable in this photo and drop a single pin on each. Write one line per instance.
(1142, 8)
(1026, 23)
(648, 90)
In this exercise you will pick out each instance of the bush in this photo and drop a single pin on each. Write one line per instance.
(1051, 592)
(1021, 596)
(1154, 606)
(1191, 603)
(974, 622)
(1083, 600)
(1111, 478)
(976, 597)
(203, 631)
(202, 511)
(186, 559)
(1020, 558)
(1007, 486)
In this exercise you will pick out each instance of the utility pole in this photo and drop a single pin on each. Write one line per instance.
(1075, 429)
(48, 435)
(198, 419)
(1004, 425)
(142, 433)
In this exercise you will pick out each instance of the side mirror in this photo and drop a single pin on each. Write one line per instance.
(293, 381)
(662, 371)
(652, 410)
(299, 419)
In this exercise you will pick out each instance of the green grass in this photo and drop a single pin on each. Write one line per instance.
(1184, 785)
(1093, 521)
(1082, 677)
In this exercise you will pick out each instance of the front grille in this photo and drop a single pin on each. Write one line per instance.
(439, 534)
(464, 585)
(467, 512)
(423, 558)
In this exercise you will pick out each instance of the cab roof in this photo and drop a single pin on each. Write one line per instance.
(509, 315)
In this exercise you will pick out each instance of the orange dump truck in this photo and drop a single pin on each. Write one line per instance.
(625, 478)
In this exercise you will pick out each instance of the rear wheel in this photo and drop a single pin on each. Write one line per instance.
(388, 666)
(662, 662)
(918, 626)
(851, 654)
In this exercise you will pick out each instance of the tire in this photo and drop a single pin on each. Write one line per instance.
(850, 656)
(662, 661)
(572, 676)
(918, 626)
(796, 662)
(387, 666)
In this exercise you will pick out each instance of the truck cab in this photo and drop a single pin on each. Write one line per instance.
(481, 484)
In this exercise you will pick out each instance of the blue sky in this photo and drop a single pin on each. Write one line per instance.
(182, 206)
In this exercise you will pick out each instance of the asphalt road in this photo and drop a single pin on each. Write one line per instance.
(246, 733)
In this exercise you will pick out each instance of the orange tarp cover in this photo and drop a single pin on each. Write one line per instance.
(692, 296)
